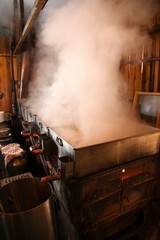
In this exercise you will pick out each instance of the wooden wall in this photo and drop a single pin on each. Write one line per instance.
(5, 75)
(142, 70)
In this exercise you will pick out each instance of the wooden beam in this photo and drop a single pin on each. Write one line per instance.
(38, 6)
(156, 70)
(15, 22)
(148, 65)
(22, 14)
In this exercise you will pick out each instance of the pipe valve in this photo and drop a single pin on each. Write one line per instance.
(36, 148)
(52, 177)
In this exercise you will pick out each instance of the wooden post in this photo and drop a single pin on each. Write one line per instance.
(156, 70)
(148, 66)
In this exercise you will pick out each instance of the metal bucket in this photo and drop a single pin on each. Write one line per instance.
(27, 210)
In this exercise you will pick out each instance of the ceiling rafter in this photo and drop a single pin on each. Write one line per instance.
(38, 6)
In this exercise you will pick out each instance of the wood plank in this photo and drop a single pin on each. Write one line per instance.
(158, 120)
(147, 70)
(135, 100)
(132, 70)
(4, 45)
(5, 84)
(138, 78)
(139, 69)
(152, 72)
(156, 70)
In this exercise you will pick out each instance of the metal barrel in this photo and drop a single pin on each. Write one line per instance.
(27, 210)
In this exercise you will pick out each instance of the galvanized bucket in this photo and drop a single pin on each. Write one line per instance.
(27, 210)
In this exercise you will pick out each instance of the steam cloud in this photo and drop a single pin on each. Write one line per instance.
(76, 87)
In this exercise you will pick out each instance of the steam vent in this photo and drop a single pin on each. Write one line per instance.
(79, 120)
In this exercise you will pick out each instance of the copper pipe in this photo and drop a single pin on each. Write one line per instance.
(20, 117)
(35, 135)
(37, 148)
(55, 176)
(50, 167)
(140, 61)
(25, 123)
(37, 151)
(25, 133)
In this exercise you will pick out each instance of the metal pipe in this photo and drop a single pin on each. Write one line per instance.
(14, 94)
(22, 14)
(144, 60)
(38, 6)
(5, 55)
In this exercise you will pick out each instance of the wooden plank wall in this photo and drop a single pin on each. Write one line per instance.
(5, 75)
(142, 70)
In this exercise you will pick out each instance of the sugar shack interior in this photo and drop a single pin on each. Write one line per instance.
(79, 120)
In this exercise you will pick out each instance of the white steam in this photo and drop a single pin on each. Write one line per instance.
(77, 88)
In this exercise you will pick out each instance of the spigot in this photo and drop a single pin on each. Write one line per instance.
(50, 168)
(25, 133)
(52, 177)
(36, 148)
(25, 123)
(30, 130)
(34, 135)
(20, 117)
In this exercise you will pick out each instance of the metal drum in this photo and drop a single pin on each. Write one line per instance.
(27, 210)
